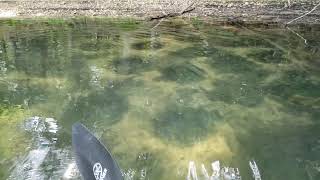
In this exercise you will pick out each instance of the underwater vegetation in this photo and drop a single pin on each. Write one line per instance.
(159, 98)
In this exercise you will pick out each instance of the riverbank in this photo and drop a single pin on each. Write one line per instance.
(279, 11)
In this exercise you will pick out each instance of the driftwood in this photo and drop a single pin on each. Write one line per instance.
(173, 14)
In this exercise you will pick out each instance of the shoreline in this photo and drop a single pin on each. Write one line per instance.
(238, 11)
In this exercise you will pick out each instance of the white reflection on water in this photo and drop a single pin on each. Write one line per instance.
(220, 173)
(44, 137)
(95, 77)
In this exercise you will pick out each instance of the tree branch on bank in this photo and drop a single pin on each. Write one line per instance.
(174, 14)
(313, 9)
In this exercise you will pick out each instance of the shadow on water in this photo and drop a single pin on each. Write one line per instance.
(99, 43)
(188, 53)
(95, 109)
(147, 45)
(130, 65)
(182, 73)
(242, 82)
(32, 61)
(295, 82)
(268, 56)
(236, 91)
(241, 41)
(24, 91)
(280, 149)
(183, 124)
(297, 91)
(79, 72)
(105, 106)
(229, 62)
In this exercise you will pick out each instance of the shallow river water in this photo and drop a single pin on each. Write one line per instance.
(159, 96)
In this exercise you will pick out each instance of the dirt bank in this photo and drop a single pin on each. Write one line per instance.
(231, 10)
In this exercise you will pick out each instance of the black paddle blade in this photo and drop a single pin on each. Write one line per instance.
(93, 159)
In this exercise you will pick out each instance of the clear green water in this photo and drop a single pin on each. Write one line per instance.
(184, 90)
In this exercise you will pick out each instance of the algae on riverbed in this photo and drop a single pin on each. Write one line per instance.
(158, 98)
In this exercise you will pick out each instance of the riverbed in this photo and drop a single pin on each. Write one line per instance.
(160, 95)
